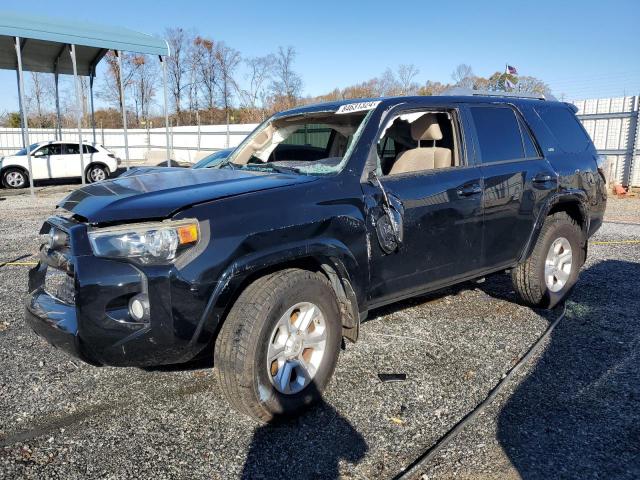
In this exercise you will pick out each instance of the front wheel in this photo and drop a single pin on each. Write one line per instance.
(14, 178)
(550, 272)
(279, 344)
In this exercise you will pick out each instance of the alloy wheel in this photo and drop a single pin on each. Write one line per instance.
(296, 348)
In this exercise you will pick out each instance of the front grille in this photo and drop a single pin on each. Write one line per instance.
(60, 285)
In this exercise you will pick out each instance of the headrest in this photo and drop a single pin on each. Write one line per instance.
(426, 128)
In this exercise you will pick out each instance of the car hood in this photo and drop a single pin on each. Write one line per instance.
(158, 195)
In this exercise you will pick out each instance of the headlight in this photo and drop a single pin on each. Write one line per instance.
(146, 243)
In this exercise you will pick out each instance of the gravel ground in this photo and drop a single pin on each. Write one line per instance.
(572, 413)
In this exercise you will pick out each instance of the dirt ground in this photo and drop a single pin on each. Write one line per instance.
(573, 412)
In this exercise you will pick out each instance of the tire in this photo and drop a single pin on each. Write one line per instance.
(96, 173)
(255, 322)
(542, 287)
(14, 178)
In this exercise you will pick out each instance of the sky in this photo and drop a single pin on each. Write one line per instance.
(582, 49)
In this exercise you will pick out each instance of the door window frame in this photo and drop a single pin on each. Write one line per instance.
(463, 146)
(521, 124)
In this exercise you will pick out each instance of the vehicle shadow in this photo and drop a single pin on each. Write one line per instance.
(577, 414)
(311, 446)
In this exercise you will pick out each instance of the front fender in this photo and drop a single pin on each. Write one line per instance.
(575, 197)
(327, 252)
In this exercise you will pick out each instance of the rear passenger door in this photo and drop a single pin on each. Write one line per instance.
(516, 179)
(57, 164)
(71, 153)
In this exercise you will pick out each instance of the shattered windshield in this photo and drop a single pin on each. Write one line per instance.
(317, 143)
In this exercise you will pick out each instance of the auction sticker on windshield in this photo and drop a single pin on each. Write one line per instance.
(357, 107)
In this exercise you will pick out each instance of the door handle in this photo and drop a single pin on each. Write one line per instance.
(542, 178)
(468, 190)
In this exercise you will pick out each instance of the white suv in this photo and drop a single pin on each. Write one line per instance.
(58, 159)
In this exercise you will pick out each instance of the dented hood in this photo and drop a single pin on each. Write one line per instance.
(159, 194)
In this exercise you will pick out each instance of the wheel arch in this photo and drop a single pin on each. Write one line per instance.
(573, 203)
(331, 258)
(15, 167)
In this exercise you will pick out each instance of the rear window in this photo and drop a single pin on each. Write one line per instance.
(498, 134)
(566, 129)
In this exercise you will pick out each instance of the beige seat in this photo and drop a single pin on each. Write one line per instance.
(423, 158)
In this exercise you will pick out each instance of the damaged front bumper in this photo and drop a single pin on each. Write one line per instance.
(86, 313)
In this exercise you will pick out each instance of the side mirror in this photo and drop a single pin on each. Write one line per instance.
(39, 153)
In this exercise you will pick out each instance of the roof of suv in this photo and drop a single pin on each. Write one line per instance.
(434, 99)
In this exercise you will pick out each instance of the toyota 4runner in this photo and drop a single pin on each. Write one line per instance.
(323, 213)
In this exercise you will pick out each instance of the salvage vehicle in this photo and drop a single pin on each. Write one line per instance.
(56, 160)
(322, 214)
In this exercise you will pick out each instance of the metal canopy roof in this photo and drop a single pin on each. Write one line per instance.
(45, 39)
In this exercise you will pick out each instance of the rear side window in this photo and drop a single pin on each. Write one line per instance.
(74, 148)
(565, 127)
(71, 148)
(498, 134)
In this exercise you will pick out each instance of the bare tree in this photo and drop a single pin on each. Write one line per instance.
(110, 91)
(406, 74)
(228, 60)
(531, 85)
(177, 39)
(259, 70)
(143, 86)
(463, 76)
(206, 64)
(286, 84)
(40, 94)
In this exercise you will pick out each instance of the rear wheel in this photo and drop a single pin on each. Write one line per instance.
(551, 271)
(14, 178)
(279, 345)
(96, 173)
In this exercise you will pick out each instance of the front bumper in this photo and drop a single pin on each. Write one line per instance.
(94, 324)
(56, 322)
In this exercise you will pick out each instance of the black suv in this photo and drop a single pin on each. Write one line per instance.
(323, 213)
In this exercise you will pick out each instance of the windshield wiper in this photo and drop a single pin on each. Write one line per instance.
(272, 167)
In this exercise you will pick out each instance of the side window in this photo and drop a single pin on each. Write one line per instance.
(71, 149)
(55, 149)
(564, 126)
(42, 152)
(418, 141)
(530, 149)
(88, 148)
(498, 134)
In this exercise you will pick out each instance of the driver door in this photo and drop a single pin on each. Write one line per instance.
(440, 211)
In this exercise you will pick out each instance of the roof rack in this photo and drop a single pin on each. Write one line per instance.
(468, 92)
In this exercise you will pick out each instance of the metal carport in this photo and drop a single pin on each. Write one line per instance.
(62, 46)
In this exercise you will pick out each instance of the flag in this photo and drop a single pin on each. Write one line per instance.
(512, 70)
(508, 84)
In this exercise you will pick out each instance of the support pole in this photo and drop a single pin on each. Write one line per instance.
(76, 79)
(92, 76)
(58, 120)
(124, 109)
(163, 62)
(198, 121)
(25, 125)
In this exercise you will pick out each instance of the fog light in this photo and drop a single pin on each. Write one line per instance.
(139, 308)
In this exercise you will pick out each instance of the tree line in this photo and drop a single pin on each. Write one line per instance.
(210, 82)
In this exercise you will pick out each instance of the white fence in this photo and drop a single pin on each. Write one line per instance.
(613, 126)
(188, 144)
(612, 123)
